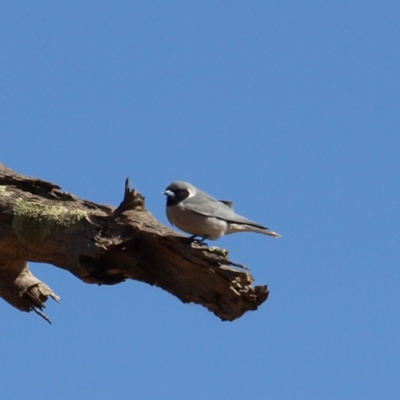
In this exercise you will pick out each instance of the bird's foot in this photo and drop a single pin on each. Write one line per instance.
(194, 238)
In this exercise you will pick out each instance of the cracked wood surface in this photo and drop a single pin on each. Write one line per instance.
(107, 245)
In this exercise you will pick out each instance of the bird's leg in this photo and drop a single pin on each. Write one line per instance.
(203, 239)
(193, 238)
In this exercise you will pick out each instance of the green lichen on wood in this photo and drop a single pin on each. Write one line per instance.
(4, 192)
(34, 222)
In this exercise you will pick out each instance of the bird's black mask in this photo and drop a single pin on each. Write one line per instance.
(180, 195)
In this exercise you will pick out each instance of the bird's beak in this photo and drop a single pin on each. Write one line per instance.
(169, 193)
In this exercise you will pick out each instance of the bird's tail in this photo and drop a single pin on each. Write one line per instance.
(265, 231)
(251, 228)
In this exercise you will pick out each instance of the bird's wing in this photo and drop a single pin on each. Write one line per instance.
(205, 204)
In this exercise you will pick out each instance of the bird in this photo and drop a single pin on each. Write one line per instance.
(201, 215)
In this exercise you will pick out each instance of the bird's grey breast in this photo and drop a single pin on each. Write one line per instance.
(195, 223)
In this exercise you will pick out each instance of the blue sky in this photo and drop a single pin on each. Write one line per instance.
(291, 111)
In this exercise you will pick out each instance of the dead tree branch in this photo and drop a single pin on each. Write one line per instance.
(106, 245)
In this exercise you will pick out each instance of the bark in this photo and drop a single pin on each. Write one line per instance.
(106, 245)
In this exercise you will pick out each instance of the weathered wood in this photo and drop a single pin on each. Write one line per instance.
(106, 245)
